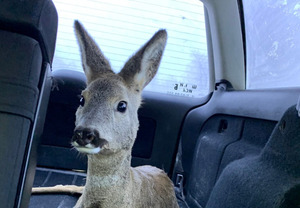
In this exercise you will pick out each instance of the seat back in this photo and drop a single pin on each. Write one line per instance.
(27, 41)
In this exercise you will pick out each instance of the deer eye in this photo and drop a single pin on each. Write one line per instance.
(122, 106)
(81, 101)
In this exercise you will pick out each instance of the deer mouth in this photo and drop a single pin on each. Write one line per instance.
(87, 149)
(88, 141)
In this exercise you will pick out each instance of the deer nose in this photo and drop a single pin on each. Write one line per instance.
(85, 136)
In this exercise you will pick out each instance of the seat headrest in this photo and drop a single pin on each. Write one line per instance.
(34, 18)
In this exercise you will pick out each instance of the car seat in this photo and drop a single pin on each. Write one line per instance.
(27, 42)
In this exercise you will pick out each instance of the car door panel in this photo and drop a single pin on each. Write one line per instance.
(231, 126)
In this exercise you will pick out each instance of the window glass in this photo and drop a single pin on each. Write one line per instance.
(273, 43)
(121, 27)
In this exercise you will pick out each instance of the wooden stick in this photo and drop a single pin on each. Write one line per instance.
(69, 189)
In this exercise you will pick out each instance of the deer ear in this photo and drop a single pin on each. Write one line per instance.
(94, 62)
(142, 67)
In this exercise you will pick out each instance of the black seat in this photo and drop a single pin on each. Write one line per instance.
(271, 179)
(27, 41)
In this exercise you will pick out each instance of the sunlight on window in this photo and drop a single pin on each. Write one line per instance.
(273, 43)
(121, 27)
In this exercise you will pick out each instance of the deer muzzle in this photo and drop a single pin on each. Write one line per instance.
(88, 140)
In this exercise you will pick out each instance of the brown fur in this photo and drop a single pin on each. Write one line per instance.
(111, 181)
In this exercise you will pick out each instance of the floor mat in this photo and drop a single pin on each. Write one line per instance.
(45, 177)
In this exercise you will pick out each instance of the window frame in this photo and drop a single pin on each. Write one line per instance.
(227, 61)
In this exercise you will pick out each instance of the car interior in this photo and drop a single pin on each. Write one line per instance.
(234, 147)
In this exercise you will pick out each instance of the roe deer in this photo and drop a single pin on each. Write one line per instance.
(107, 125)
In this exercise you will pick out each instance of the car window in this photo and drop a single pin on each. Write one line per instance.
(121, 27)
(272, 43)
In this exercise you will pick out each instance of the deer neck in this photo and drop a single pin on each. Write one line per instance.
(107, 171)
(106, 176)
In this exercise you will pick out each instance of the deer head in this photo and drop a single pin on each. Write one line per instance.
(107, 122)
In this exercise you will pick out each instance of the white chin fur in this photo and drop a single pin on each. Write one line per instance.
(88, 150)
